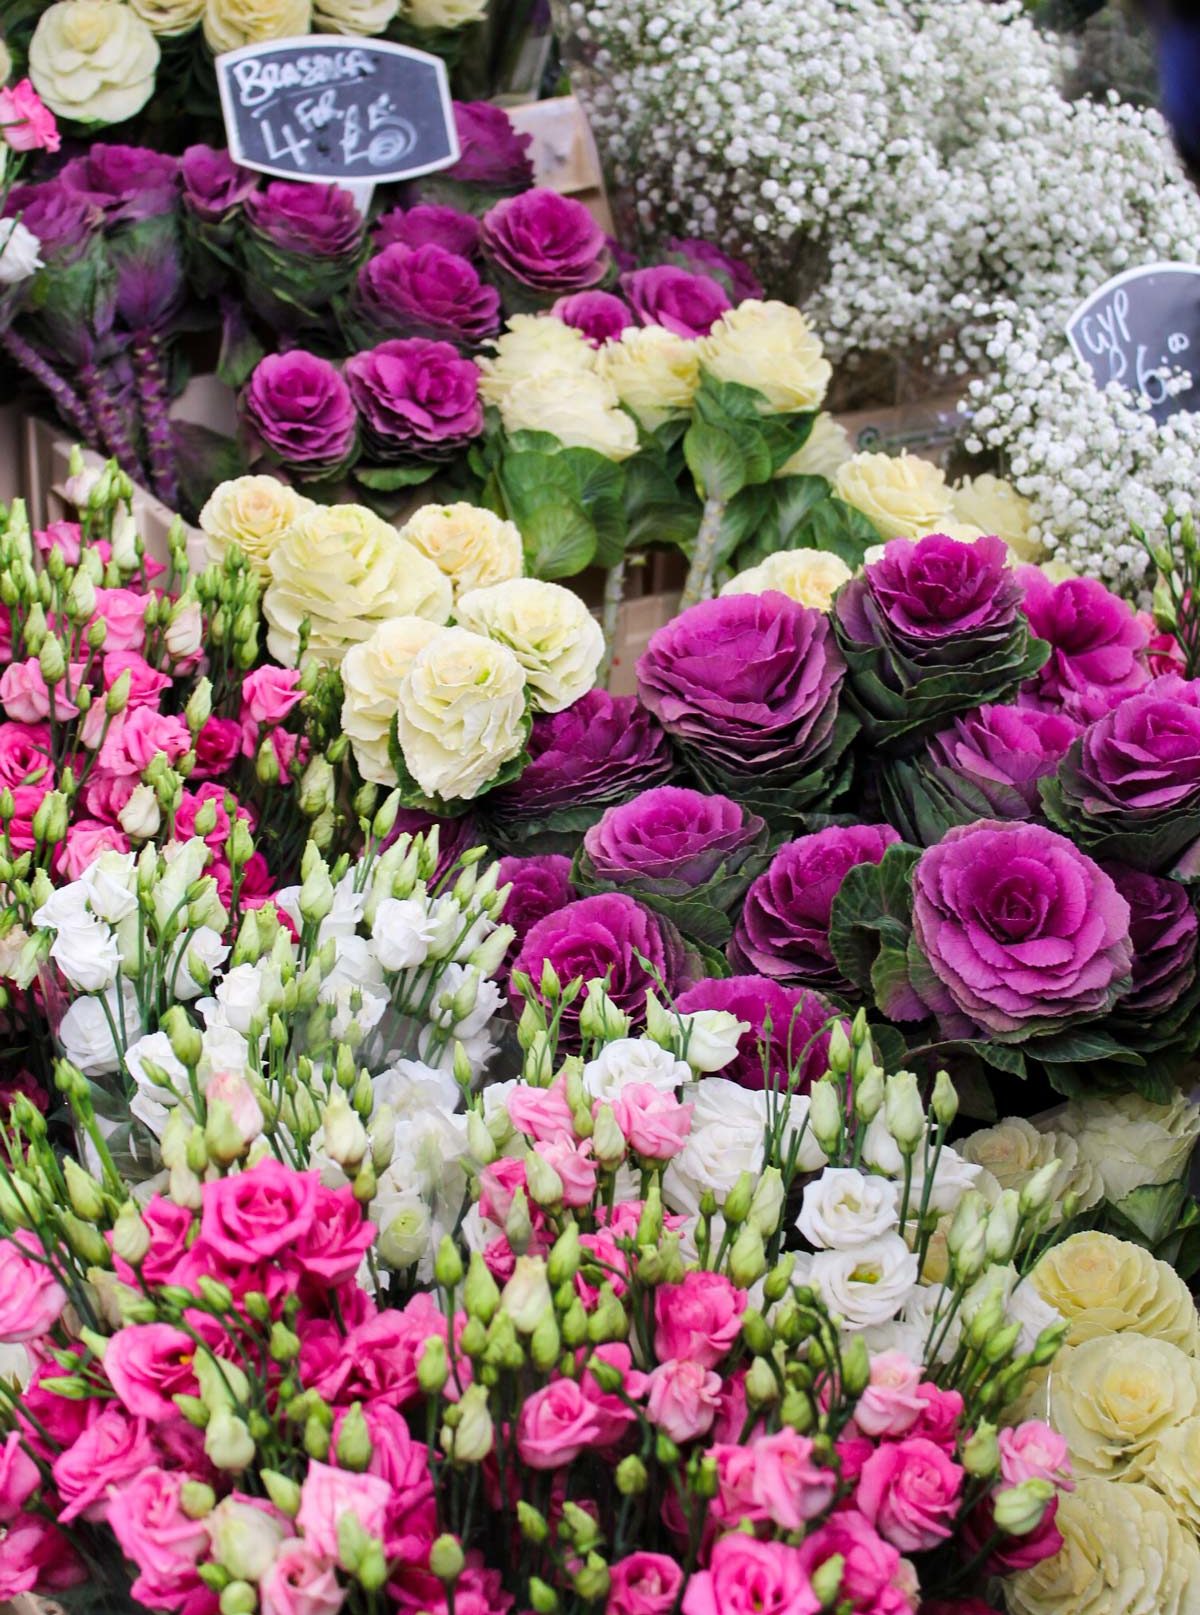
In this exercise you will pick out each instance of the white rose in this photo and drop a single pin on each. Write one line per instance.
(86, 952)
(530, 345)
(769, 346)
(372, 674)
(992, 505)
(151, 1103)
(901, 495)
(19, 252)
(654, 372)
(400, 932)
(444, 13)
(169, 17)
(710, 1038)
(811, 577)
(579, 407)
(252, 514)
(346, 570)
(223, 1048)
(249, 991)
(633, 1059)
(472, 546)
(355, 964)
(357, 17)
(844, 1208)
(1132, 1141)
(93, 61)
(548, 629)
(825, 448)
(867, 1285)
(230, 23)
(461, 713)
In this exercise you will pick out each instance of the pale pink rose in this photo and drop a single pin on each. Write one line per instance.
(270, 693)
(556, 1424)
(655, 1124)
(735, 1500)
(643, 1584)
(31, 1299)
(106, 1456)
(300, 1582)
(1033, 1451)
(149, 1363)
(683, 1399)
(25, 697)
(27, 122)
(35, 1555)
(890, 1405)
(574, 1165)
(124, 615)
(19, 1477)
(232, 1089)
(699, 1318)
(869, 1563)
(748, 1577)
(136, 738)
(543, 1114)
(329, 1495)
(86, 840)
(910, 1491)
(146, 1517)
(787, 1485)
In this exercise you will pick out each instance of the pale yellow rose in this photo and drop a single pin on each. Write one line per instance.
(372, 674)
(994, 506)
(1133, 1141)
(825, 448)
(93, 61)
(812, 577)
(358, 17)
(169, 17)
(1114, 1396)
(548, 629)
(1103, 1285)
(444, 13)
(252, 513)
(1013, 1150)
(346, 570)
(902, 496)
(1173, 1469)
(654, 372)
(529, 345)
(769, 346)
(460, 716)
(472, 546)
(579, 407)
(230, 23)
(1123, 1553)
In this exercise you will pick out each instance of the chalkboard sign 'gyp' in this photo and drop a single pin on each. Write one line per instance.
(332, 110)
(1141, 329)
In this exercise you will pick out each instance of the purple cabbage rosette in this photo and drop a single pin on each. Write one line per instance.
(704, 258)
(416, 400)
(985, 765)
(538, 885)
(677, 299)
(783, 929)
(213, 191)
(428, 224)
(300, 248)
(748, 688)
(1160, 1014)
(932, 628)
(689, 855)
(544, 244)
(787, 1044)
(300, 410)
(426, 291)
(1097, 645)
(599, 315)
(1129, 787)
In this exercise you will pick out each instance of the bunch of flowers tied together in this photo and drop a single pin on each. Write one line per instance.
(600, 1397)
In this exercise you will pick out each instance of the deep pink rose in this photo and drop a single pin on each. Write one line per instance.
(20, 1477)
(328, 1495)
(748, 1577)
(218, 744)
(109, 1454)
(337, 1236)
(909, 1491)
(1033, 1451)
(786, 1483)
(682, 1399)
(269, 694)
(682, 302)
(556, 1425)
(149, 1363)
(27, 122)
(643, 1584)
(546, 241)
(65, 537)
(654, 1123)
(31, 1299)
(34, 1554)
(699, 1318)
(86, 840)
(891, 1403)
(169, 1226)
(870, 1563)
(255, 1215)
(147, 1519)
(300, 1582)
(59, 1420)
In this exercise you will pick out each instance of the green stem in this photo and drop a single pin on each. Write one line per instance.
(700, 574)
(614, 593)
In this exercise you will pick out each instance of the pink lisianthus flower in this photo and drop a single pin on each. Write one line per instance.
(147, 1518)
(111, 1452)
(329, 1495)
(26, 121)
(31, 1299)
(147, 1365)
(86, 840)
(699, 1318)
(26, 698)
(556, 1425)
(909, 1491)
(748, 1577)
(1033, 1451)
(891, 1403)
(654, 1123)
(269, 694)
(34, 1553)
(643, 1584)
(300, 1582)
(682, 1400)
(786, 1483)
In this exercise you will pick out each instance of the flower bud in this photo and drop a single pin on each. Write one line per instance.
(608, 1141)
(825, 1117)
(902, 1111)
(532, 1523)
(543, 1182)
(526, 1297)
(737, 1201)
(762, 1388)
(840, 1054)
(130, 1236)
(868, 1095)
(432, 1368)
(238, 1598)
(197, 1499)
(856, 1366)
(84, 1193)
(474, 1435)
(766, 1207)
(944, 1102)
(518, 1227)
(563, 1261)
(826, 1580)
(346, 1139)
(747, 1257)
(592, 1580)
(981, 1454)
(545, 1342)
(543, 1599)
(600, 1017)
(227, 1441)
(447, 1561)
(1002, 1227)
(1018, 1510)
(1038, 1192)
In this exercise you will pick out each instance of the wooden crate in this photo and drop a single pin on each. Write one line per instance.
(563, 153)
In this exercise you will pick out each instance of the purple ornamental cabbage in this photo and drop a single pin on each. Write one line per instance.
(1163, 929)
(213, 184)
(599, 315)
(788, 1029)
(301, 408)
(414, 398)
(703, 258)
(492, 155)
(428, 224)
(540, 885)
(427, 291)
(126, 183)
(1098, 647)
(680, 301)
(546, 241)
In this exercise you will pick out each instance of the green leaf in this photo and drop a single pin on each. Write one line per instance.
(1153, 1210)
(1086, 1043)
(870, 925)
(387, 478)
(715, 461)
(559, 540)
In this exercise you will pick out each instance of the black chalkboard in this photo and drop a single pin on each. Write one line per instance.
(1140, 329)
(331, 109)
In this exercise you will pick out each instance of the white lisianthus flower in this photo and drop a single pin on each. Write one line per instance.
(86, 1035)
(203, 947)
(633, 1059)
(400, 933)
(899, 494)
(19, 252)
(655, 372)
(844, 1208)
(579, 407)
(110, 882)
(86, 952)
(810, 577)
(472, 546)
(152, 1103)
(710, 1038)
(826, 447)
(530, 345)
(548, 629)
(410, 1085)
(869, 1284)
(461, 713)
(252, 513)
(769, 346)
(372, 674)
(93, 61)
(403, 1220)
(728, 1128)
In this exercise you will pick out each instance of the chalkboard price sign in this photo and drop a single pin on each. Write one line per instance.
(1142, 328)
(337, 111)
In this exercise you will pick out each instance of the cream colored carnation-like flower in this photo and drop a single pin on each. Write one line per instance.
(1103, 1285)
(994, 506)
(444, 13)
(902, 496)
(372, 674)
(252, 513)
(346, 570)
(548, 629)
(472, 546)
(1133, 1141)
(93, 61)
(230, 23)
(169, 17)
(529, 345)
(1013, 1150)
(654, 372)
(1114, 1396)
(769, 346)
(825, 448)
(579, 407)
(461, 710)
(812, 577)
(1173, 1469)
(1123, 1553)
(353, 16)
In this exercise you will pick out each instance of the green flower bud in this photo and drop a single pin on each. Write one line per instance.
(448, 1264)
(239, 1598)
(532, 1523)
(196, 1499)
(353, 1445)
(747, 1257)
(737, 1201)
(284, 1493)
(856, 1366)
(543, 1182)
(826, 1580)
(474, 1435)
(981, 1454)
(868, 1095)
(778, 1280)
(762, 1388)
(1018, 1510)
(545, 1343)
(433, 1370)
(631, 1476)
(902, 1111)
(825, 1116)
(227, 1441)
(481, 1294)
(518, 1226)
(608, 1141)
(839, 1051)
(542, 1597)
(447, 1560)
(1038, 1192)
(944, 1102)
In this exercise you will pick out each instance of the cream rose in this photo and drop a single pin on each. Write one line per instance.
(444, 13)
(826, 447)
(994, 506)
(1173, 1466)
(461, 711)
(1114, 1396)
(353, 16)
(1132, 1141)
(530, 345)
(472, 546)
(548, 629)
(1123, 1553)
(578, 406)
(372, 674)
(769, 346)
(347, 571)
(902, 496)
(93, 61)
(169, 17)
(654, 372)
(1014, 1150)
(230, 23)
(812, 577)
(252, 513)
(1103, 1285)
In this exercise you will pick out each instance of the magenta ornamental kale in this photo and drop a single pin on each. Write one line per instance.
(213, 184)
(1163, 929)
(599, 315)
(63, 220)
(313, 221)
(126, 183)
(682, 302)
(428, 224)
(540, 885)
(783, 930)
(414, 398)
(546, 241)
(426, 291)
(703, 258)
(302, 410)
(1021, 932)
(492, 155)
(1097, 645)
(788, 1029)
